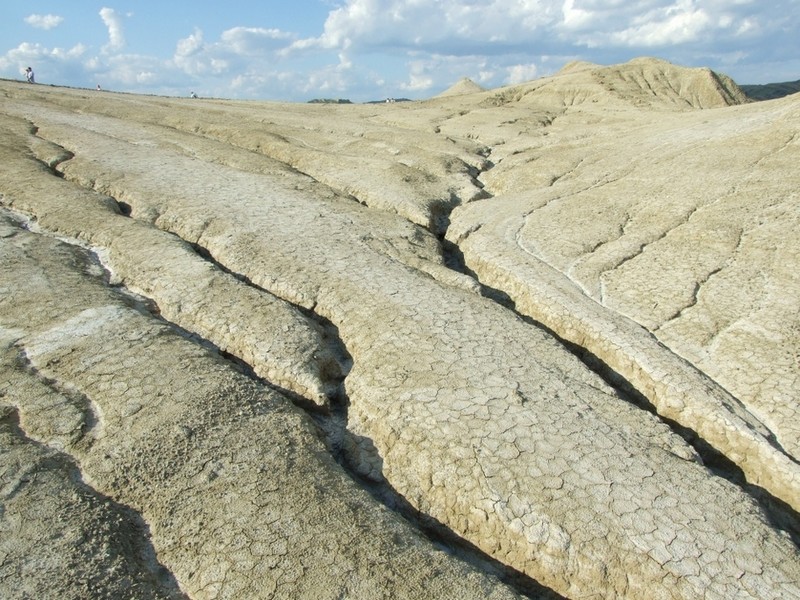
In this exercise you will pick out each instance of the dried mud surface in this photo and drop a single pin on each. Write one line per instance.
(540, 341)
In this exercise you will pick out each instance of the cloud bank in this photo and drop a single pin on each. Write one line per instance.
(368, 49)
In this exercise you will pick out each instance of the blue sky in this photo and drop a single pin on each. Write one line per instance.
(373, 49)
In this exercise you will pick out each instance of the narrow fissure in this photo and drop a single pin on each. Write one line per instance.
(780, 514)
(332, 424)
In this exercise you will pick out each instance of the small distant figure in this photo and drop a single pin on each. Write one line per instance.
(192, 95)
(29, 75)
(98, 87)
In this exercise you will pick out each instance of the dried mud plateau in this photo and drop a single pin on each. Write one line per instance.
(541, 341)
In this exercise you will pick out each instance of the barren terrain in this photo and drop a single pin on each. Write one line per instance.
(540, 341)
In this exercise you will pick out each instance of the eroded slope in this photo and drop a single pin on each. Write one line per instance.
(681, 222)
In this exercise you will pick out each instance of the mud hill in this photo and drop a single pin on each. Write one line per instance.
(538, 341)
(461, 87)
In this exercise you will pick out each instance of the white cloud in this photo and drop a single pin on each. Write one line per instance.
(48, 63)
(746, 26)
(76, 52)
(677, 24)
(493, 27)
(434, 25)
(420, 76)
(190, 46)
(116, 36)
(44, 21)
(575, 17)
(133, 71)
(191, 55)
(253, 41)
(34, 53)
(521, 73)
(236, 48)
(369, 49)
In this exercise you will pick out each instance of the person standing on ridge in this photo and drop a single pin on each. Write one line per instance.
(29, 75)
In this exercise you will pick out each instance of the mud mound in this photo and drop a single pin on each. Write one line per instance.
(461, 88)
(650, 82)
(642, 83)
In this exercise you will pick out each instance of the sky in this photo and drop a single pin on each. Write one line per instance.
(363, 50)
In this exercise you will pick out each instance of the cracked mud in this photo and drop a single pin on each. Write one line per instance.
(237, 362)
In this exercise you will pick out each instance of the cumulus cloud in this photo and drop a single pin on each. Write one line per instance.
(435, 26)
(44, 21)
(677, 24)
(500, 42)
(521, 73)
(192, 55)
(380, 48)
(30, 53)
(131, 70)
(253, 41)
(116, 36)
(46, 61)
(546, 26)
(236, 47)
(576, 17)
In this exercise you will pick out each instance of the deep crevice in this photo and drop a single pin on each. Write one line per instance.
(148, 306)
(333, 425)
(454, 259)
(125, 209)
(328, 329)
(779, 514)
(339, 438)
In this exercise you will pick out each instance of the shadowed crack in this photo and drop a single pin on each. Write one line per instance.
(339, 438)
(91, 420)
(342, 402)
(780, 514)
(119, 534)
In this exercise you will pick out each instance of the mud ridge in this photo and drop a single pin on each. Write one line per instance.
(780, 514)
(332, 425)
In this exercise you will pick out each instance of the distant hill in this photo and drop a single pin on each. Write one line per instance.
(388, 101)
(462, 87)
(330, 101)
(644, 82)
(770, 91)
